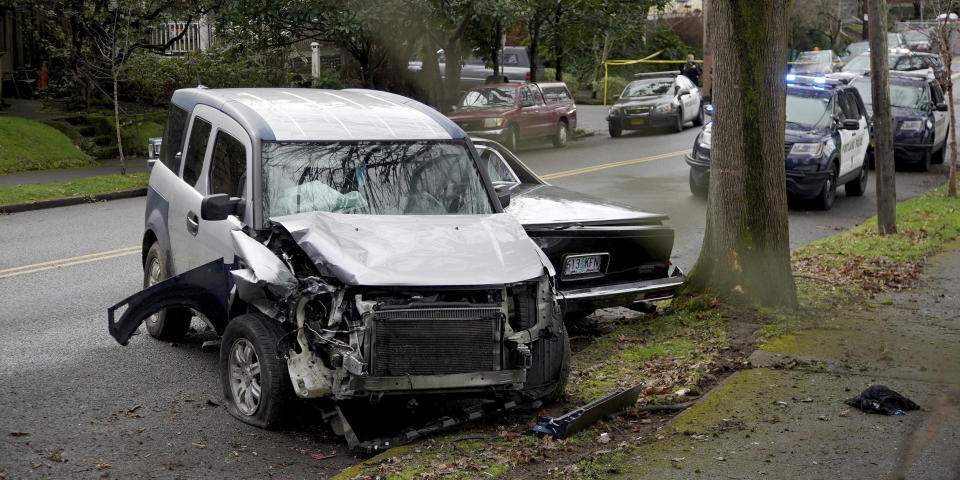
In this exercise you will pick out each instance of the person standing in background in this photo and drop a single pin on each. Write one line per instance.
(692, 70)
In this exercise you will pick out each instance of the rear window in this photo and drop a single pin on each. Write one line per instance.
(196, 149)
(173, 138)
(556, 94)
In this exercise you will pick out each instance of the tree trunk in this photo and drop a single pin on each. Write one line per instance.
(882, 120)
(746, 249)
(534, 34)
(495, 53)
(451, 87)
(558, 42)
(946, 57)
(706, 80)
(430, 74)
(116, 119)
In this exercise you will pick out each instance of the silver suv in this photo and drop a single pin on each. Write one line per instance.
(344, 244)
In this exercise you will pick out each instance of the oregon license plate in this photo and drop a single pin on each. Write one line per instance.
(582, 265)
(637, 121)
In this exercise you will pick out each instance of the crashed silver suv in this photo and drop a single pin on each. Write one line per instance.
(345, 245)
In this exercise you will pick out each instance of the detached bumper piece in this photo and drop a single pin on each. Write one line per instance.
(204, 289)
(576, 420)
(471, 413)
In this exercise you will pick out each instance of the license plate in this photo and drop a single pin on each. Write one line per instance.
(637, 121)
(582, 265)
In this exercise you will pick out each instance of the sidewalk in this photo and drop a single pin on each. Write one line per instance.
(785, 418)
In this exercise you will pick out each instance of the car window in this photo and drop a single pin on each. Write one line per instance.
(685, 82)
(196, 148)
(426, 177)
(556, 94)
(936, 92)
(496, 166)
(511, 59)
(525, 96)
(173, 138)
(845, 109)
(809, 110)
(228, 167)
(856, 106)
(535, 94)
(489, 97)
(648, 87)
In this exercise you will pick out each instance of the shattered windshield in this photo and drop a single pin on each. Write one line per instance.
(489, 97)
(374, 178)
(648, 88)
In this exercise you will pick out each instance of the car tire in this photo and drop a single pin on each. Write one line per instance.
(679, 126)
(560, 137)
(858, 186)
(698, 120)
(695, 188)
(249, 362)
(511, 138)
(169, 323)
(828, 195)
(615, 129)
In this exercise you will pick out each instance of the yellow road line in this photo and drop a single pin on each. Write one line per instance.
(594, 168)
(64, 262)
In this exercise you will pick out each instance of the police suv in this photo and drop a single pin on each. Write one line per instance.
(920, 118)
(825, 143)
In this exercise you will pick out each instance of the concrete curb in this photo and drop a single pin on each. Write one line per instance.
(63, 202)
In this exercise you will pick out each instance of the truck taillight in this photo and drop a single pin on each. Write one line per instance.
(528, 76)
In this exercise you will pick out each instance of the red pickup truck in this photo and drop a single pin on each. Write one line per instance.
(509, 112)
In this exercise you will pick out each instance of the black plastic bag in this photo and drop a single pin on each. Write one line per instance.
(880, 399)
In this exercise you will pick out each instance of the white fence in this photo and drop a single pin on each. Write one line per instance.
(196, 39)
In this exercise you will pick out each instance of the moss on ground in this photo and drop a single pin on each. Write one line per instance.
(27, 145)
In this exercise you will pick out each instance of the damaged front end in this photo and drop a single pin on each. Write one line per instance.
(342, 341)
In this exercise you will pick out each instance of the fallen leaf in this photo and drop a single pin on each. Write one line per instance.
(604, 438)
(720, 459)
(198, 444)
(845, 412)
(102, 465)
(320, 456)
(18, 433)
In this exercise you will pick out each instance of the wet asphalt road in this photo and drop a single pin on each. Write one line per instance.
(88, 407)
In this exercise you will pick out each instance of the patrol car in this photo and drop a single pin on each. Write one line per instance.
(825, 144)
(920, 117)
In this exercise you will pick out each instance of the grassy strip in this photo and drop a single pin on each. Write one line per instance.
(85, 186)
(836, 273)
(28, 145)
(670, 352)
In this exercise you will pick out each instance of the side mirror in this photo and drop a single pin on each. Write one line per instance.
(851, 124)
(220, 206)
(616, 97)
(942, 107)
(685, 91)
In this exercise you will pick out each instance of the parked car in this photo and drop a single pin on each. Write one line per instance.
(514, 68)
(815, 62)
(920, 117)
(899, 60)
(826, 142)
(345, 244)
(605, 253)
(854, 49)
(920, 40)
(510, 112)
(663, 99)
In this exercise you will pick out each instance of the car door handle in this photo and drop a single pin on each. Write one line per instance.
(193, 223)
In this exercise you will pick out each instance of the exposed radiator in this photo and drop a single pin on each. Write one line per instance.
(436, 341)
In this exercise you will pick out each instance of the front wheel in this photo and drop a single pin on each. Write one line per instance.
(857, 186)
(169, 323)
(615, 129)
(254, 377)
(560, 137)
(695, 188)
(698, 120)
(679, 126)
(829, 193)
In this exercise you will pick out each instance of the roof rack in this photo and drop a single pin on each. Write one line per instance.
(671, 73)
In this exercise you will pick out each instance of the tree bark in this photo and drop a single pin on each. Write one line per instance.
(558, 42)
(430, 74)
(882, 120)
(746, 251)
(943, 31)
(116, 119)
(706, 80)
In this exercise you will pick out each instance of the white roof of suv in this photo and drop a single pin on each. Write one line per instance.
(309, 114)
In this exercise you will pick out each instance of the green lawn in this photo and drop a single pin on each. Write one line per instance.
(85, 186)
(28, 145)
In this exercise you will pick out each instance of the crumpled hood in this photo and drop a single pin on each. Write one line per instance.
(418, 250)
